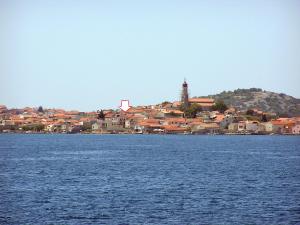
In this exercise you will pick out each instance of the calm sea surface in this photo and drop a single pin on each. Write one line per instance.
(149, 179)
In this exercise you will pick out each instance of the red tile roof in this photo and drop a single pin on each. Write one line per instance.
(174, 111)
(176, 120)
(176, 104)
(174, 128)
(201, 100)
(219, 118)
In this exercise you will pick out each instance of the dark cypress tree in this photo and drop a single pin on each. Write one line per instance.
(101, 115)
(40, 109)
(264, 118)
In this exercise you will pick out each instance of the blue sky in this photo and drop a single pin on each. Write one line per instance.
(89, 55)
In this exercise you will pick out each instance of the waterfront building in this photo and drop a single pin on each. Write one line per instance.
(296, 129)
(233, 127)
(252, 126)
(114, 122)
(241, 126)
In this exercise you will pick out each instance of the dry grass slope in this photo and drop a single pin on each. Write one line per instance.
(267, 101)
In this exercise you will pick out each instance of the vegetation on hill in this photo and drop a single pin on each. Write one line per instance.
(219, 106)
(256, 98)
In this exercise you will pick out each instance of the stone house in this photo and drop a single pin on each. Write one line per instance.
(203, 128)
(114, 122)
(233, 127)
(252, 126)
(228, 119)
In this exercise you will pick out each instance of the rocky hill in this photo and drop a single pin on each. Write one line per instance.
(266, 101)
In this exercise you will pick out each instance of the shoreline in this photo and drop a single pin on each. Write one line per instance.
(187, 134)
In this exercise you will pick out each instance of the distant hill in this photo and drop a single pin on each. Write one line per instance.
(266, 101)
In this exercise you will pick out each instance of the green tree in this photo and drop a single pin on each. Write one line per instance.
(219, 106)
(26, 128)
(39, 127)
(181, 108)
(192, 110)
(165, 103)
(33, 127)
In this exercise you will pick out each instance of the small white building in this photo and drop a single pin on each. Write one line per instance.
(269, 127)
(296, 129)
(97, 126)
(7, 123)
(241, 126)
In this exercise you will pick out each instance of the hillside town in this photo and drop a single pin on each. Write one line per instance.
(187, 116)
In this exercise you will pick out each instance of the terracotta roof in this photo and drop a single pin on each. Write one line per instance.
(205, 104)
(176, 120)
(173, 111)
(174, 128)
(61, 115)
(296, 119)
(146, 124)
(151, 120)
(59, 110)
(196, 123)
(85, 119)
(92, 113)
(219, 118)
(136, 110)
(73, 112)
(108, 115)
(129, 116)
(138, 117)
(284, 119)
(282, 122)
(176, 104)
(201, 100)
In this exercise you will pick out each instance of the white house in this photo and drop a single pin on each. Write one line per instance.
(241, 126)
(296, 129)
(97, 126)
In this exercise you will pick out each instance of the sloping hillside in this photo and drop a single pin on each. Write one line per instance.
(267, 101)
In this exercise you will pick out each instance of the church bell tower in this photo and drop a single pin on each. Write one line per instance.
(185, 95)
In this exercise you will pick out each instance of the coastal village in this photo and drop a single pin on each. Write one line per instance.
(187, 116)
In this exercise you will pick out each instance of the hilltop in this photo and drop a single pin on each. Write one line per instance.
(267, 101)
